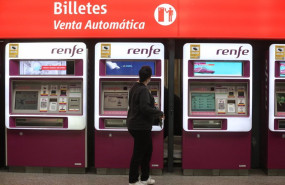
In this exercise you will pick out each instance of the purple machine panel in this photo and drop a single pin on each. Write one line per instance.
(46, 148)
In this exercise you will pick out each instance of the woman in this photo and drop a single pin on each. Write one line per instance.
(141, 115)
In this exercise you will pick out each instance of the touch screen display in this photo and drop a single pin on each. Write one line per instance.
(26, 100)
(116, 101)
(203, 101)
(280, 97)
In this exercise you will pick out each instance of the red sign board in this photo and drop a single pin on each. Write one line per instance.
(142, 19)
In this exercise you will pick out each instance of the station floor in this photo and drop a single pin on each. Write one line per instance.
(256, 177)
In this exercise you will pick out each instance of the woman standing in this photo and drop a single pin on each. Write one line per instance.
(141, 115)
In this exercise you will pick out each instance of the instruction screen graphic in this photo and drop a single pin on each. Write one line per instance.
(218, 68)
(127, 67)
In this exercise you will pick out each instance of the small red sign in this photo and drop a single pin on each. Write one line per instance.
(58, 68)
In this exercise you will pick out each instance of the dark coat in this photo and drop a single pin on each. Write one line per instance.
(141, 113)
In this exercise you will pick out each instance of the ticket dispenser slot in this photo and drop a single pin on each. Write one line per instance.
(115, 123)
(281, 124)
(207, 124)
(39, 122)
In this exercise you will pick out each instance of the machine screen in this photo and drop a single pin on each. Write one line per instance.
(26, 100)
(280, 102)
(282, 69)
(203, 102)
(116, 101)
(218, 68)
(127, 67)
(46, 67)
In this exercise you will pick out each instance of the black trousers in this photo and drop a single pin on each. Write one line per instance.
(141, 155)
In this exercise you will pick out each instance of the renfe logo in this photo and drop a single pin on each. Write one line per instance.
(238, 52)
(142, 51)
(71, 51)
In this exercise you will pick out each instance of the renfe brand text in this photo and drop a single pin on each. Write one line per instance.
(142, 51)
(236, 52)
(71, 51)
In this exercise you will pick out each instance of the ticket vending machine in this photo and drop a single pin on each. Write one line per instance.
(217, 115)
(46, 105)
(116, 69)
(275, 110)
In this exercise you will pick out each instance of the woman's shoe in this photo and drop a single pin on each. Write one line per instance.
(148, 181)
(137, 183)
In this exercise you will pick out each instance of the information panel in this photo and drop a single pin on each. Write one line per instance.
(127, 67)
(216, 68)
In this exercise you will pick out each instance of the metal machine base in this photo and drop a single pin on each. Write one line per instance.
(47, 170)
(275, 172)
(215, 172)
(123, 171)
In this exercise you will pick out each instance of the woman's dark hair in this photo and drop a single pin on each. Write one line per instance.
(144, 73)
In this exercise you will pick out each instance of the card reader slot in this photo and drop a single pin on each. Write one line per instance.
(207, 124)
(115, 123)
(39, 122)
